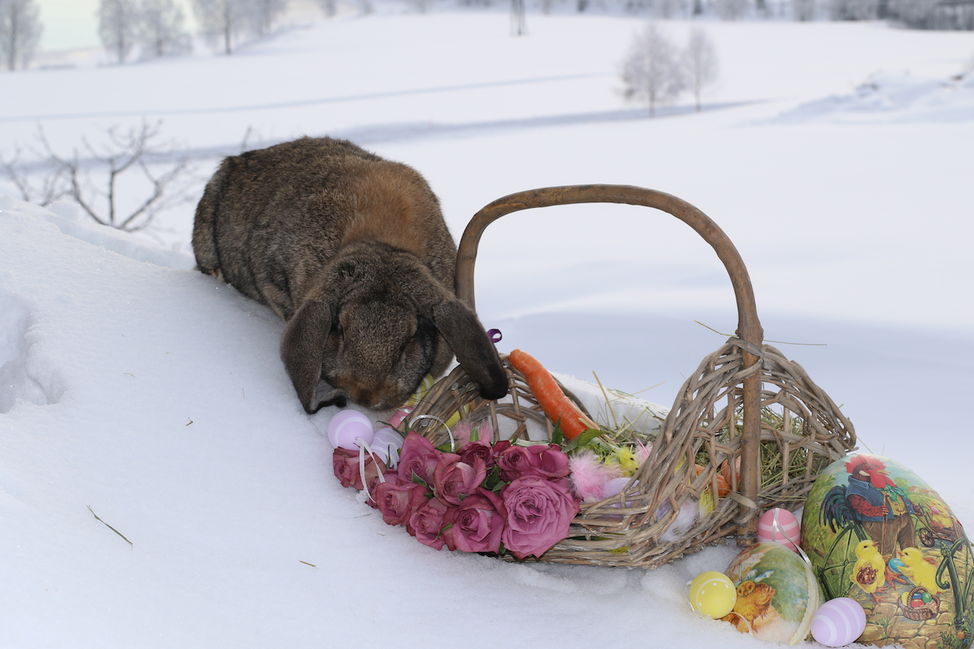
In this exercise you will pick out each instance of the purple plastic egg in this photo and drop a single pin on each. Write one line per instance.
(838, 622)
(614, 486)
(348, 427)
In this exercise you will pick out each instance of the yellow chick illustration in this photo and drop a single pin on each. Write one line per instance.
(919, 569)
(869, 573)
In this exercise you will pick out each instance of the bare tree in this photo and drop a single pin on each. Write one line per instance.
(700, 58)
(118, 26)
(854, 9)
(20, 31)
(161, 30)
(652, 70)
(804, 10)
(51, 186)
(263, 14)
(518, 18)
(222, 21)
(124, 151)
(731, 9)
(328, 7)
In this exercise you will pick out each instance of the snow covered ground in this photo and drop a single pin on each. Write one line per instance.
(137, 390)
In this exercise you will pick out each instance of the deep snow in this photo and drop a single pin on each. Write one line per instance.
(138, 388)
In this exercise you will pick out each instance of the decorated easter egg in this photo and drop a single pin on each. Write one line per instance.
(878, 534)
(712, 594)
(779, 525)
(347, 428)
(838, 622)
(777, 594)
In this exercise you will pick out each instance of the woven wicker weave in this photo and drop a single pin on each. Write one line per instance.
(745, 405)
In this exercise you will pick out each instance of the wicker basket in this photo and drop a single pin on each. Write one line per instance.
(745, 404)
(927, 611)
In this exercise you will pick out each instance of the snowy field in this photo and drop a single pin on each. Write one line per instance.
(836, 156)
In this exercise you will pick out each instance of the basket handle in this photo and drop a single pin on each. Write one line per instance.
(748, 325)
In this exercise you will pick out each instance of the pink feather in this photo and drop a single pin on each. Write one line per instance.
(589, 475)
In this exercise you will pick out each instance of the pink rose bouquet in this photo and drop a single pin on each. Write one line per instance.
(517, 498)
(505, 497)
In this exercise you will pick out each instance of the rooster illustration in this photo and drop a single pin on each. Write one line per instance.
(874, 503)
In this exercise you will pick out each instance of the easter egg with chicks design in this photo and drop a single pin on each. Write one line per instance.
(876, 533)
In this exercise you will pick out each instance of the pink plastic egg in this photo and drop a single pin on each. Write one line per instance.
(838, 622)
(348, 427)
(779, 526)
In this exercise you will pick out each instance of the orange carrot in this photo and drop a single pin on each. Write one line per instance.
(558, 407)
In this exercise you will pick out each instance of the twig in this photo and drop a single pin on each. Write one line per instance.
(777, 342)
(307, 564)
(97, 518)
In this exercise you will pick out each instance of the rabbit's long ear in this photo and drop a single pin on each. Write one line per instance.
(303, 350)
(472, 346)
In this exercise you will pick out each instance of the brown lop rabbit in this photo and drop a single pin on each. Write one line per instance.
(352, 252)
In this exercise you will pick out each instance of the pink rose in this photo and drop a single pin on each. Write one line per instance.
(539, 513)
(346, 465)
(477, 524)
(396, 499)
(374, 482)
(513, 461)
(454, 480)
(549, 461)
(480, 450)
(418, 457)
(426, 522)
(544, 460)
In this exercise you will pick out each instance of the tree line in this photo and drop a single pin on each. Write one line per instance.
(154, 28)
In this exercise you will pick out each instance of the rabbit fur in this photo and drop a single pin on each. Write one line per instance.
(352, 252)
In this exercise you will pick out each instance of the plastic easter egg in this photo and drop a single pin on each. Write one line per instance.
(712, 594)
(838, 622)
(878, 534)
(348, 427)
(386, 444)
(614, 487)
(779, 526)
(777, 594)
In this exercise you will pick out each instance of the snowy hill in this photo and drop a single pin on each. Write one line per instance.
(138, 391)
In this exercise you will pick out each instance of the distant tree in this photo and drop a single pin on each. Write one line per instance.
(518, 18)
(118, 26)
(161, 31)
(932, 14)
(804, 10)
(700, 59)
(854, 9)
(652, 70)
(669, 8)
(697, 7)
(263, 14)
(20, 31)
(222, 21)
(328, 7)
(731, 9)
